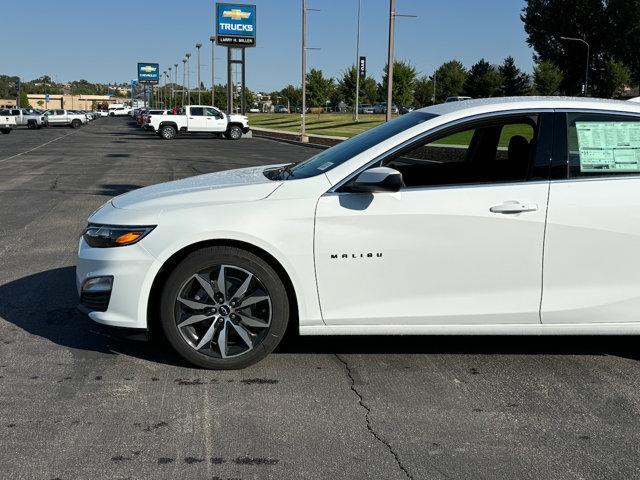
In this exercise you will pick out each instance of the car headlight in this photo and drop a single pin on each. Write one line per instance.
(107, 236)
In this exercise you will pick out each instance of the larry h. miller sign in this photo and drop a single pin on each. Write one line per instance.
(235, 25)
(148, 73)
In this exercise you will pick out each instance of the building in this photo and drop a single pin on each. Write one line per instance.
(72, 102)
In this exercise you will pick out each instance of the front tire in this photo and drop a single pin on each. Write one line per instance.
(76, 123)
(168, 132)
(234, 133)
(224, 308)
(5, 131)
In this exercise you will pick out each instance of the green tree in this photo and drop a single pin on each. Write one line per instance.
(423, 91)
(514, 81)
(346, 88)
(609, 26)
(483, 80)
(613, 79)
(24, 100)
(450, 78)
(319, 88)
(291, 93)
(547, 78)
(404, 77)
(8, 86)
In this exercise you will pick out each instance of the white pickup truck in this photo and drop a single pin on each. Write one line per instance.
(28, 118)
(199, 119)
(7, 122)
(65, 117)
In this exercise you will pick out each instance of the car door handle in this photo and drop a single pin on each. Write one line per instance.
(512, 207)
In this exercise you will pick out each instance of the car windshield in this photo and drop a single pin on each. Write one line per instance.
(337, 155)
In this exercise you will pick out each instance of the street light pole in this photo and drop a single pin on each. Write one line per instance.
(175, 83)
(184, 80)
(198, 45)
(188, 55)
(435, 79)
(586, 74)
(213, 66)
(357, 100)
(171, 89)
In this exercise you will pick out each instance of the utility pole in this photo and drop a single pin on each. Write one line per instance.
(303, 134)
(392, 25)
(435, 79)
(357, 100)
(198, 45)
(188, 55)
(213, 70)
(392, 22)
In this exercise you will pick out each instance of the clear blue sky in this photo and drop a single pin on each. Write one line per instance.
(103, 41)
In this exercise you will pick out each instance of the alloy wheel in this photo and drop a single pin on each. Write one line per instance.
(223, 312)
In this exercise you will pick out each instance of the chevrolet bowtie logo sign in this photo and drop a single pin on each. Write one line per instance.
(236, 14)
(148, 68)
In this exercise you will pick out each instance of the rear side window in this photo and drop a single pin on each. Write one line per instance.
(601, 145)
(197, 111)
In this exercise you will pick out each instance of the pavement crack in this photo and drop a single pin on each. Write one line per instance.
(367, 417)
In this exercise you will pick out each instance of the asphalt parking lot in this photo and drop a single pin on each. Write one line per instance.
(76, 403)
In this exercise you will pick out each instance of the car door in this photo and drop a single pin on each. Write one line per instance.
(461, 243)
(197, 119)
(216, 122)
(56, 117)
(592, 243)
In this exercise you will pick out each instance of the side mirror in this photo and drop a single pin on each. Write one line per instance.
(378, 179)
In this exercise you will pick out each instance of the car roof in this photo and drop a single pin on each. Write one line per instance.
(487, 105)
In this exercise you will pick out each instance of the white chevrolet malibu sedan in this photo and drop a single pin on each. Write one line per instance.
(500, 216)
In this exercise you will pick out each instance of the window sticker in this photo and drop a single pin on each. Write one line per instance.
(609, 146)
(324, 166)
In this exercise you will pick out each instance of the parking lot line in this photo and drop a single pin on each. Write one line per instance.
(39, 146)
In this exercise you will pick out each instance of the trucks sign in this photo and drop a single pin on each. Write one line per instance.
(148, 73)
(235, 25)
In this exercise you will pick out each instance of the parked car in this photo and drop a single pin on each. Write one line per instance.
(29, 118)
(382, 108)
(200, 119)
(7, 122)
(66, 118)
(254, 110)
(119, 110)
(225, 261)
(281, 109)
(365, 108)
(404, 109)
(456, 99)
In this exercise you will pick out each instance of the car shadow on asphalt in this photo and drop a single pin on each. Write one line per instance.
(44, 304)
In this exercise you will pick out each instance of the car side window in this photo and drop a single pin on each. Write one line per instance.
(59, 112)
(211, 112)
(197, 111)
(603, 145)
(495, 151)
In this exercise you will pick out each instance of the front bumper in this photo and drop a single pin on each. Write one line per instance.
(132, 269)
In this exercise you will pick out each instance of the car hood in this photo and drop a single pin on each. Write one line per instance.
(230, 186)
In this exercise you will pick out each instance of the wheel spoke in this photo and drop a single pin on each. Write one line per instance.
(194, 319)
(222, 340)
(222, 288)
(206, 338)
(206, 286)
(244, 334)
(242, 289)
(252, 322)
(252, 300)
(193, 304)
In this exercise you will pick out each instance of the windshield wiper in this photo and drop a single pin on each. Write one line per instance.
(287, 169)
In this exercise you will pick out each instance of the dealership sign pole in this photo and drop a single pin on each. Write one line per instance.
(235, 29)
